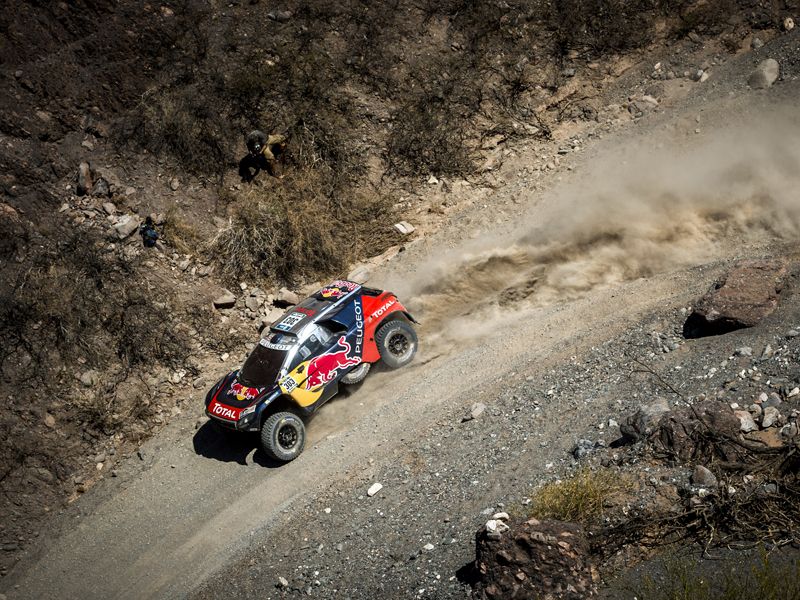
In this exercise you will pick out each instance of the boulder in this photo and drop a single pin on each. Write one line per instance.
(765, 74)
(683, 433)
(745, 296)
(533, 559)
(225, 300)
(644, 421)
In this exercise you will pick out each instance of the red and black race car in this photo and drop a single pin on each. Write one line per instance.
(332, 337)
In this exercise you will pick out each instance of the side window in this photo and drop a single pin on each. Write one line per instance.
(314, 345)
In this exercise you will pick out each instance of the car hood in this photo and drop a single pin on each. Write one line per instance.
(236, 394)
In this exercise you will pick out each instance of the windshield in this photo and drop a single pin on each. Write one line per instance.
(263, 365)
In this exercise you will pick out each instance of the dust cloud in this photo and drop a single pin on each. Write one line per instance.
(636, 212)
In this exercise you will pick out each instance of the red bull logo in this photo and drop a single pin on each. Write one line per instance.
(337, 289)
(243, 392)
(323, 369)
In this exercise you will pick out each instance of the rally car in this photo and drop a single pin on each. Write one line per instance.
(331, 337)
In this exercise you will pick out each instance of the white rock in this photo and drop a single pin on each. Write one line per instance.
(745, 421)
(360, 274)
(765, 74)
(788, 24)
(501, 516)
(282, 582)
(793, 392)
(477, 410)
(287, 297)
(428, 547)
(374, 489)
(770, 417)
(404, 227)
(126, 226)
(494, 525)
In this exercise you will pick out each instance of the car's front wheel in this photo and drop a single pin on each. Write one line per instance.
(397, 343)
(356, 374)
(283, 436)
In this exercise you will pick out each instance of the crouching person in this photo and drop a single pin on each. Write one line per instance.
(263, 152)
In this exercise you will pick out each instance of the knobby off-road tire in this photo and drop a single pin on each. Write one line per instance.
(283, 436)
(356, 374)
(397, 343)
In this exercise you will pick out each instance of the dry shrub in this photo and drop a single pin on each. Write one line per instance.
(77, 300)
(180, 234)
(290, 230)
(763, 577)
(429, 137)
(579, 498)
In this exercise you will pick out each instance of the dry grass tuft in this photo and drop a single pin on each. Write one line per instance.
(292, 230)
(580, 498)
(180, 234)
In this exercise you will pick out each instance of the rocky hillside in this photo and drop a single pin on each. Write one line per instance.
(413, 128)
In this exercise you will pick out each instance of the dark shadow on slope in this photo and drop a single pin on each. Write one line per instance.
(696, 326)
(212, 441)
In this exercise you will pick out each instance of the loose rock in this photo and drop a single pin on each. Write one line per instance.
(476, 411)
(770, 417)
(374, 489)
(126, 226)
(548, 559)
(404, 227)
(101, 188)
(746, 421)
(286, 298)
(84, 179)
(765, 74)
(701, 476)
(225, 300)
(643, 421)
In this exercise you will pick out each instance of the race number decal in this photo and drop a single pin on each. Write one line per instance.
(290, 321)
(287, 384)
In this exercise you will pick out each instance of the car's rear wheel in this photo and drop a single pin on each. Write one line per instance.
(397, 343)
(283, 436)
(356, 374)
